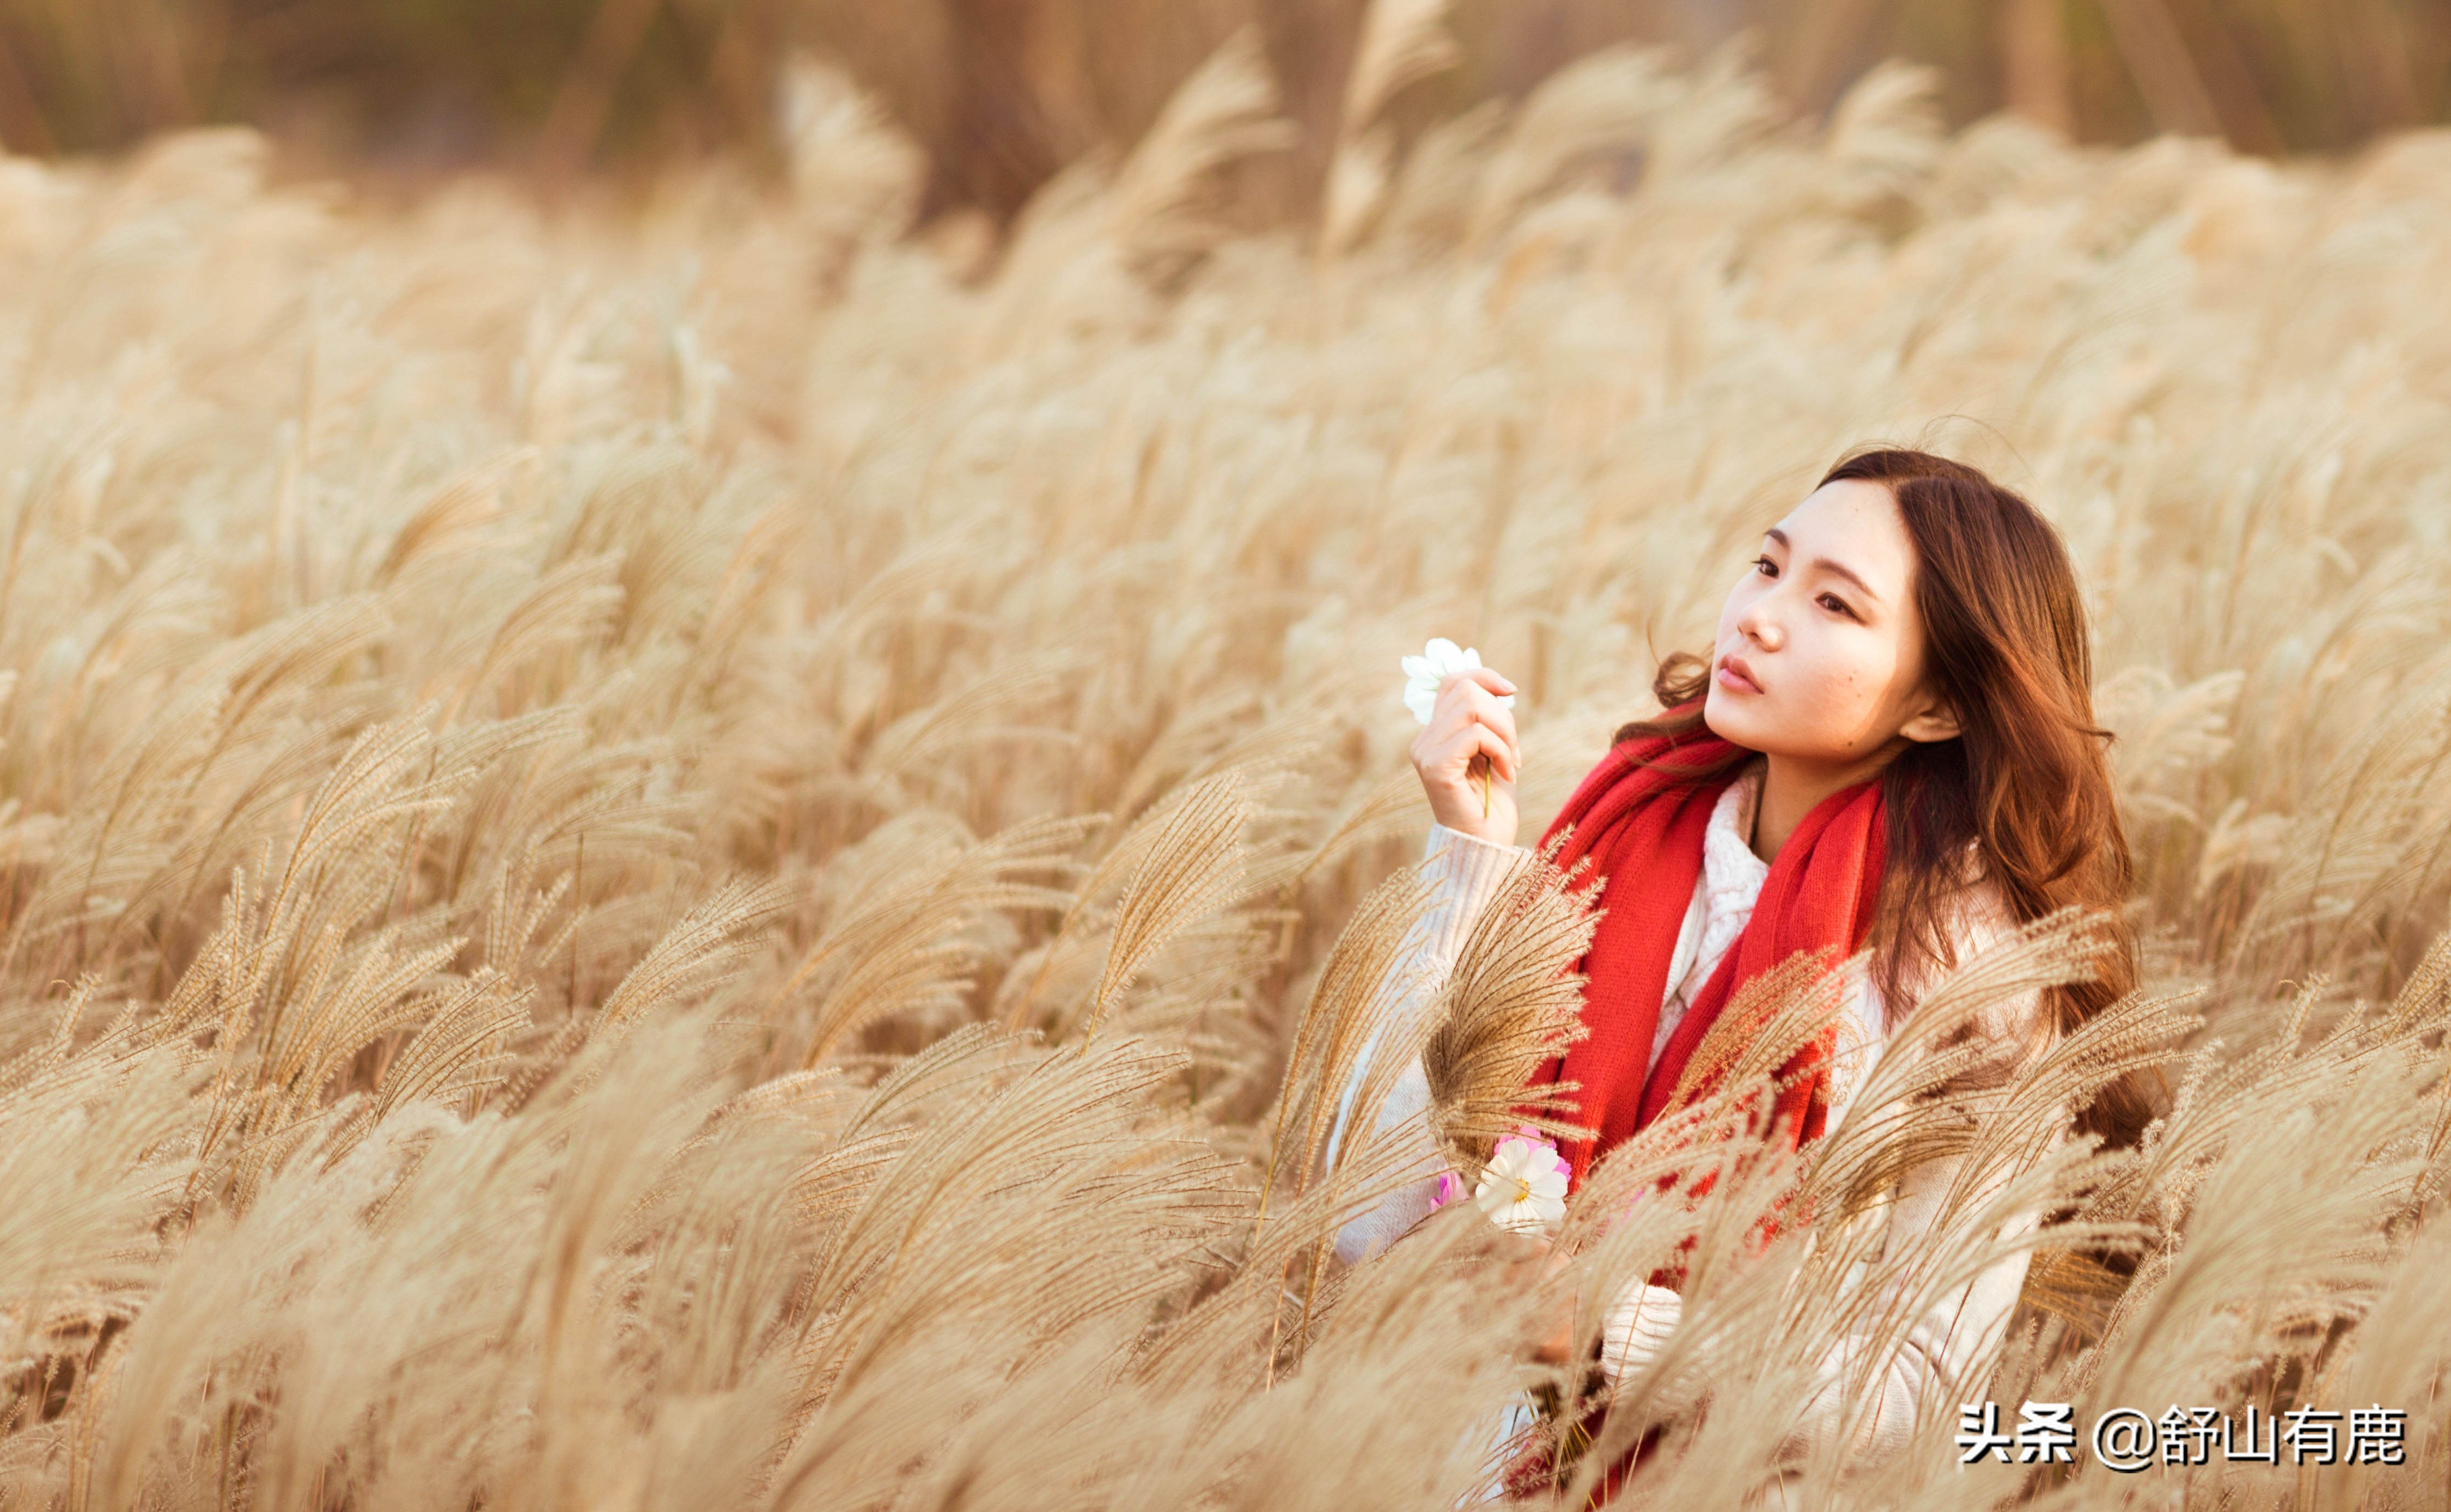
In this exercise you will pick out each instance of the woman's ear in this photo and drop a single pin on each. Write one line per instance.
(1935, 721)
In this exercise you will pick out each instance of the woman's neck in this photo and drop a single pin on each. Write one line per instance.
(1793, 786)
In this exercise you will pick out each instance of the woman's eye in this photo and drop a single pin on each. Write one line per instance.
(1769, 567)
(1836, 604)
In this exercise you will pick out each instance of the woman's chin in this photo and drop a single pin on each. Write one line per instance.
(1725, 717)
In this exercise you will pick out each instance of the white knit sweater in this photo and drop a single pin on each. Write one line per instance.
(1952, 1349)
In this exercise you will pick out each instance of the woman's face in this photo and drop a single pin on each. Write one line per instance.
(1820, 650)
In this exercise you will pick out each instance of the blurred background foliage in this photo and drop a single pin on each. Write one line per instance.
(1002, 93)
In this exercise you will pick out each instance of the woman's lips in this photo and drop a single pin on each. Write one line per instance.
(1734, 676)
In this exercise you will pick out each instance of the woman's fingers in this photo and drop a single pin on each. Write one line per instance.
(1529, 1244)
(1559, 1346)
(1451, 758)
(1489, 678)
(1525, 1262)
(1481, 739)
(1466, 755)
(1453, 739)
(1479, 691)
(1470, 698)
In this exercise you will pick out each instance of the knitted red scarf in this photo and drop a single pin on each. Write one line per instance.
(1640, 816)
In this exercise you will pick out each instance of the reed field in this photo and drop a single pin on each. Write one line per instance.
(720, 854)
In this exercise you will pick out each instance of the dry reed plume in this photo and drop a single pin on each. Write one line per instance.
(694, 863)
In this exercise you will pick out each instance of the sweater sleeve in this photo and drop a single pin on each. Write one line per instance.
(1945, 1353)
(1464, 872)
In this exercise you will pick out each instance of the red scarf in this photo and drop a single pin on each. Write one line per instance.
(1644, 824)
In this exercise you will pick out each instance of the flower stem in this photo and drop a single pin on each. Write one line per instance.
(1487, 777)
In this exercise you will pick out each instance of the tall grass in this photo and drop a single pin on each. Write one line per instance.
(693, 863)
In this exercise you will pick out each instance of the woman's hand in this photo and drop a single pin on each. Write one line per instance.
(1469, 735)
(1536, 1262)
(1558, 1345)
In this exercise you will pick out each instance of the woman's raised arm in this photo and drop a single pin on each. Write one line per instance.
(1468, 859)
(1465, 874)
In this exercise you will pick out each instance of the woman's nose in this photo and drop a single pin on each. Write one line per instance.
(1761, 627)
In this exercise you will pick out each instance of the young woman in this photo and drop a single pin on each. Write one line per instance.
(1891, 743)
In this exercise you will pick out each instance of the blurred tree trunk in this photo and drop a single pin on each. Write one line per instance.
(585, 97)
(2230, 79)
(1536, 39)
(2034, 76)
(22, 127)
(998, 147)
(2155, 50)
(1004, 92)
(1310, 45)
(1823, 52)
(738, 64)
(2374, 56)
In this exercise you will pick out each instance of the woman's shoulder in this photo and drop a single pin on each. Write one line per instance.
(1979, 918)
(1968, 918)
(1977, 912)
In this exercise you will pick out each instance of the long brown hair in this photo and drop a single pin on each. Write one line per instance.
(2026, 781)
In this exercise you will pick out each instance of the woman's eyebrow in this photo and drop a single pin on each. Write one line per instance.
(1827, 565)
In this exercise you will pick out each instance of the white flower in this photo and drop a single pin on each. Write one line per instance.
(1438, 660)
(1525, 1185)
